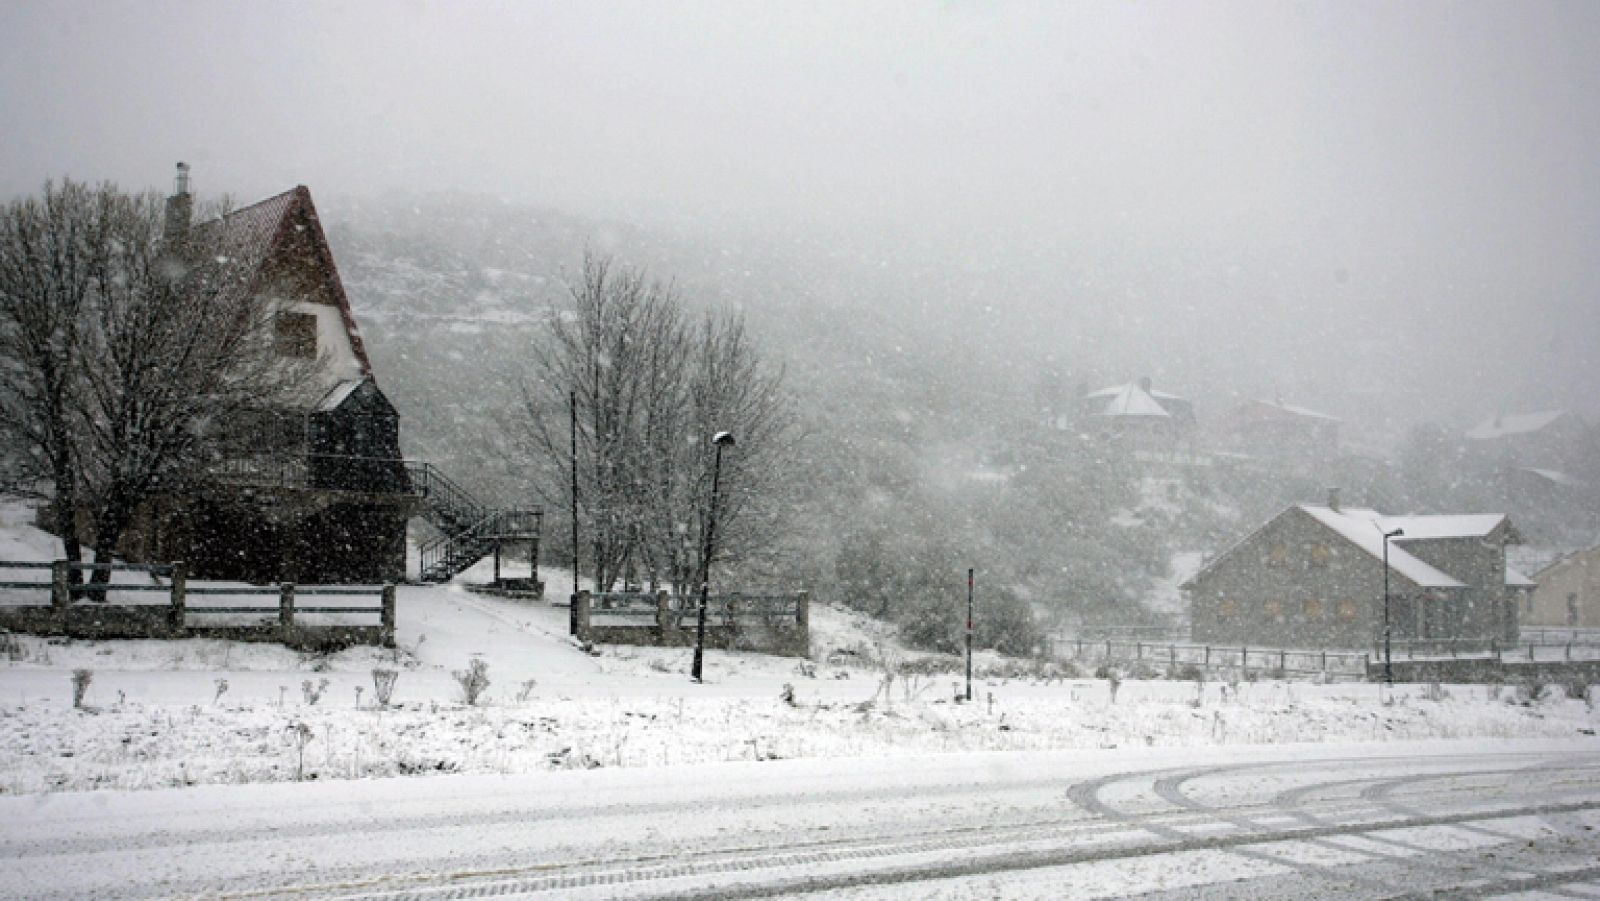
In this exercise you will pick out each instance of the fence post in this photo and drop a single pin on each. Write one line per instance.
(803, 616)
(1283, 661)
(1569, 650)
(580, 615)
(180, 597)
(1324, 663)
(60, 592)
(1172, 656)
(1108, 650)
(1138, 650)
(663, 617)
(386, 618)
(1208, 655)
(286, 610)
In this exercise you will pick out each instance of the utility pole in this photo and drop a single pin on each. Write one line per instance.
(720, 440)
(969, 633)
(1388, 663)
(572, 408)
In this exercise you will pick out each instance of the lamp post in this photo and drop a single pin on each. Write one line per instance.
(720, 440)
(1388, 663)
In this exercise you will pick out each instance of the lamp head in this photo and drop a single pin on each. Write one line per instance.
(723, 439)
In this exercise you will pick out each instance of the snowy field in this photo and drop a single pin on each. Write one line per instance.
(160, 714)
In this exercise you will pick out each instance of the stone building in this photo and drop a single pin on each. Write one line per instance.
(1313, 577)
(1568, 595)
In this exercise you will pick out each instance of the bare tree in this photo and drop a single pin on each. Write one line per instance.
(650, 390)
(52, 256)
(135, 352)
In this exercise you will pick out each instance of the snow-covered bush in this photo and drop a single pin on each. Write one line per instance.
(300, 735)
(1113, 683)
(474, 680)
(80, 685)
(313, 693)
(383, 685)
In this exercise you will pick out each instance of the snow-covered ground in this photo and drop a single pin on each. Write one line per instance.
(160, 713)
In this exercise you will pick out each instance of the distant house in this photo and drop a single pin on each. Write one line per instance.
(1137, 413)
(1568, 595)
(1554, 443)
(1274, 429)
(1313, 577)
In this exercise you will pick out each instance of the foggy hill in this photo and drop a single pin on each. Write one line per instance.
(923, 438)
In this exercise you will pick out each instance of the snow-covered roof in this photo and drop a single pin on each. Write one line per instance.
(1514, 424)
(1516, 579)
(1551, 475)
(1115, 390)
(1365, 529)
(340, 393)
(246, 242)
(1296, 411)
(1130, 400)
(1451, 526)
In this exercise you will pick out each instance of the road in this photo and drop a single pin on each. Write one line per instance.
(1358, 821)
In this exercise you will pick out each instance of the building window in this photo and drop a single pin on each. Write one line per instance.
(295, 334)
(1273, 610)
(1278, 555)
(1312, 608)
(1227, 607)
(1321, 554)
(1346, 610)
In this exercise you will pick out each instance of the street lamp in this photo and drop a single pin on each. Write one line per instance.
(1388, 663)
(720, 440)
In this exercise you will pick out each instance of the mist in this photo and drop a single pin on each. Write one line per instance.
(1386, 211)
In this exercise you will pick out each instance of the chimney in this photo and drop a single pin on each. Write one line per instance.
(1144, 384)
(180, 206)
(1333, 499)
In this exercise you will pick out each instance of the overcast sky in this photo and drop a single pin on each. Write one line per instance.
(1328, 199)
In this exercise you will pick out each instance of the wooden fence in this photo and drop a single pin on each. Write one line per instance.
(772, 623)
(1214, 658)
(1531, 647)
(84, 610)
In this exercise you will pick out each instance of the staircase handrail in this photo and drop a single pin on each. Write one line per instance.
(444, 492)
(497, 523)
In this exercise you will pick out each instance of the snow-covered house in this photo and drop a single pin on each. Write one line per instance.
(312, 491)
(1313, 577)
(1553, 443)
(1274, 429)
(1568, 593)
(1136, 412)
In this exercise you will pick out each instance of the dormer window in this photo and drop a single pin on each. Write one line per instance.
(295, 335)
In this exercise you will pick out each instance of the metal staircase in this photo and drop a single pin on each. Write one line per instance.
(472, 530)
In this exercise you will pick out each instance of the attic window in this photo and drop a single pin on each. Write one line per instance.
(295, 335)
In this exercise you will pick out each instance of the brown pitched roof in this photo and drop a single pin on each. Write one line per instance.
(246, 240)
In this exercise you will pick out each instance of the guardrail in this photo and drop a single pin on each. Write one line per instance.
(62, 610)
(1288, 661)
